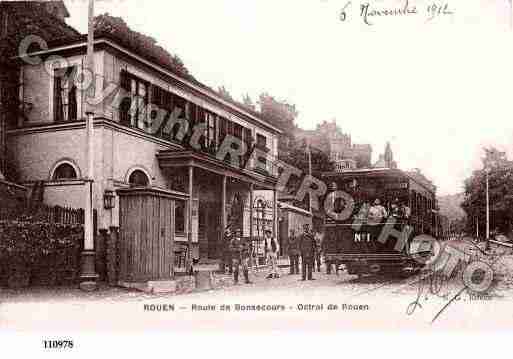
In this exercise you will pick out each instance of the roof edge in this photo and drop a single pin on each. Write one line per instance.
(81, 41)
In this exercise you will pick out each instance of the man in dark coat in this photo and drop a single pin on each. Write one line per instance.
(293, 249)
(241, 250)
(307, 247)
(318, 251)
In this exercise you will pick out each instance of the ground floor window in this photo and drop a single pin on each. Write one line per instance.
(138, 179)
(64, 171)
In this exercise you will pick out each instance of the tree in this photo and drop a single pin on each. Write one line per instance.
(500, 177)
(248, 102)
(297, 156)
(224, 93)
(280, 113)
(117, 29)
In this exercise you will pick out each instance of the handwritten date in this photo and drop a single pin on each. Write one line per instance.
(369, 13)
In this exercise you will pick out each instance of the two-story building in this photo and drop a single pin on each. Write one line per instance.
(134, 82)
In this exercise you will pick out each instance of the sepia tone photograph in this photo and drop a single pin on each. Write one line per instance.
(254, 166)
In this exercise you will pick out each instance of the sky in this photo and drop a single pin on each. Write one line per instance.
(437, 90)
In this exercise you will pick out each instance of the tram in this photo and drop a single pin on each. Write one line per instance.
(369, 244)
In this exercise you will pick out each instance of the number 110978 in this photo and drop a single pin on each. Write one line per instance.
(58, 344)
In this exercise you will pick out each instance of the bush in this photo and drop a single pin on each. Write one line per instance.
(39, 253)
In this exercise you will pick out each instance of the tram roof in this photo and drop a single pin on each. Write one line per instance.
(367, 172)
(376, 173)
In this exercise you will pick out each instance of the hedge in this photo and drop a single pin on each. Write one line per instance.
(39, 253)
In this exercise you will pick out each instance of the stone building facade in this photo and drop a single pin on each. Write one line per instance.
(329, 138)
(47, 143)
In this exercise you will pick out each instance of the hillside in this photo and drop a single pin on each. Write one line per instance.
(450, 206)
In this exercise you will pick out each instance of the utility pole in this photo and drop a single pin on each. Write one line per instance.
(487, 209)
(88, 275)
(309, 154)
(477, 228)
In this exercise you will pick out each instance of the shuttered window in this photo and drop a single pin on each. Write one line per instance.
(65, 95)
(133, 107)
(124, 108)
(210, 131)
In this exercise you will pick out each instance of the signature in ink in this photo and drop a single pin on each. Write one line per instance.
(436, 283)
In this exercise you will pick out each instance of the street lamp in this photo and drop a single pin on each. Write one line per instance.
(108, 199)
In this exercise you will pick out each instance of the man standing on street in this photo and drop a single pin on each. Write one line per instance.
(307, 247)
(240, 253)
(271, 250)
(293, 249)
(318, 251)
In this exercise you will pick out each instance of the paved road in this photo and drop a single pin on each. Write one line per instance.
(328, 303)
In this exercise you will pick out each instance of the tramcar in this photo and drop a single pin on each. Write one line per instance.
(367, 244)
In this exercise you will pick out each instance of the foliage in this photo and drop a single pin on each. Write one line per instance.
(116, 28)
(297, 156)
(279, 113)
(39, 245)
(450, 205)
(458, 226)
(500, 175)
(39, 252)
(224, 93)
(283, 114)
(247, 102)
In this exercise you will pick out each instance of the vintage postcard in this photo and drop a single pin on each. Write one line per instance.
(234, 166)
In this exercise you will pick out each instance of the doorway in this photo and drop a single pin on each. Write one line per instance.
(209, 229)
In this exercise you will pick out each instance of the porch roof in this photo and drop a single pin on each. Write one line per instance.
(189, 158)
(152, 191)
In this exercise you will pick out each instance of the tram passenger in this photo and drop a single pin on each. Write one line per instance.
(377, 213)
(405, 211)
(363, 212)
(395, 209)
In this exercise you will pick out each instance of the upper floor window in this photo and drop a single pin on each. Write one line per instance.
(133, 108)
(138, 179)
(65, 95)
(248, 140)
(261, 142)
(64, 171)
(210, 131)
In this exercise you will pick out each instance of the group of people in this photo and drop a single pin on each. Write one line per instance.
(307, 246)
(238, 253)
(377, 213)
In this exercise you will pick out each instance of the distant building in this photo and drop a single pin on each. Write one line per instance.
(329, 138)
(386, 159)
(421, 178)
